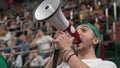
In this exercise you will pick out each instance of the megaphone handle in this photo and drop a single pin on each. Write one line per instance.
(55, 58)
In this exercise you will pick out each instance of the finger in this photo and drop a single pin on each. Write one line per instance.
(61, 32)
(72, 38)
(60, 35)
(57, 34)
(55, 40)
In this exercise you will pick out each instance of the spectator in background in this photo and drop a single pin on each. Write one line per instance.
(0, 31)
(84, 11)
(43, 41)
(51, 31)
(38, 60)
(25, 46)
(12, 25)
(28, 61)
(1, 19)
(15, 60)
(35, 60)
(98, 25)
(98, 12)
(30, 34)
(15, 41)
(5, 18)
(6, 35)
(28, 22)
(46, 26)
(4, 48)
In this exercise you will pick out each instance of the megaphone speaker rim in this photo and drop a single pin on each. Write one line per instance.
(49, 15)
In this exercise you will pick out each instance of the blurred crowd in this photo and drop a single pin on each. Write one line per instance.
(26, 42)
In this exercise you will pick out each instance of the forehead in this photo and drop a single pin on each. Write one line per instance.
(83, 26)
(39, 30)
(22, 35)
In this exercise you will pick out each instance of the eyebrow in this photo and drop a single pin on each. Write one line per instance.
(85, 26)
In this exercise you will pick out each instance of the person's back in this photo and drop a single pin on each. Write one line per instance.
(37, 61)
(44, 42)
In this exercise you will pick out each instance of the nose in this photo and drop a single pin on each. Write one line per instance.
(79, 31)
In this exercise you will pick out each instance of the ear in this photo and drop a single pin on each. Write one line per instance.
(95, 41)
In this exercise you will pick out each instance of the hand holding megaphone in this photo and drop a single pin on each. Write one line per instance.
(50, 11)
(63, 40)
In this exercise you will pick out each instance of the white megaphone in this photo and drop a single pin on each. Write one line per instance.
(50, 11)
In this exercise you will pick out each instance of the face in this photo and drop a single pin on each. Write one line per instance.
(40, 32)
(3, 31)
(23, 37)
(51, 29)
(87, 36)
(14, 38)
(3, 46)
(98, 26)
(30, 32)
(35, 54)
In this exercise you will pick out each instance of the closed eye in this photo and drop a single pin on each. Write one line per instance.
(85, 28)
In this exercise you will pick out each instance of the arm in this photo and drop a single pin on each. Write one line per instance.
(49, 38)
(44, 61)
(77, 64)
(49, 64)
(6, 37)
(34, 40)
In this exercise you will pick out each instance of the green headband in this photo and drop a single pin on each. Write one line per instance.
(97, 34)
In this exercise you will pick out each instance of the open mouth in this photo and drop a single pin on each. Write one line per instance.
(78, 45)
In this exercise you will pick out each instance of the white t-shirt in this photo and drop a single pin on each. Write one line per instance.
(18, 61)
(37, 61)
(92, 63)
(44, 42)
(7, 38)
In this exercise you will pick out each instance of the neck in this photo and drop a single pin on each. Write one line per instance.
(88, 53)
(41, 35)
(24, 40)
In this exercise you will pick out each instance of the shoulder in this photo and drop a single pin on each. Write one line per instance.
(9, 34)
(99, 63)
(39, 58)
(48, 36)
(63, 65)
(109, 63)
